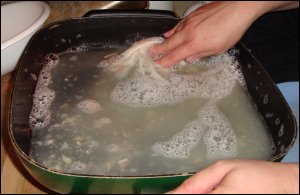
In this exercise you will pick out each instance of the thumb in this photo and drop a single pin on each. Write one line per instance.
(205, 180)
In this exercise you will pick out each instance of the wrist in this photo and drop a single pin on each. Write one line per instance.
(259, 8)
(254, 9)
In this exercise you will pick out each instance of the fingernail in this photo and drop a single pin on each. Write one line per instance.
(167, 34)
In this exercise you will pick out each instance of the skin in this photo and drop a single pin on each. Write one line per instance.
(243, 176)
(212, 29)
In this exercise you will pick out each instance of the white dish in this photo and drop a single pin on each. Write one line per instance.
(19, 21)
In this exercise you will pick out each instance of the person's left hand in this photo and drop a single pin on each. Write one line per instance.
(243, 177)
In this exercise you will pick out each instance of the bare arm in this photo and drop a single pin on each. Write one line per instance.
(280, 5)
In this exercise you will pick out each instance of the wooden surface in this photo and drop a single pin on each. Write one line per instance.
(16, 180)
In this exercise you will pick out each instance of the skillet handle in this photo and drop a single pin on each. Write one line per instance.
(131, 13)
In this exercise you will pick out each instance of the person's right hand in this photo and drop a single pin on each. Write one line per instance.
(211, 29)
(243, 177)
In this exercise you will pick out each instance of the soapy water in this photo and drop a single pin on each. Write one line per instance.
(125, 119)
(43, 97)
(89, 106)
(219, 137)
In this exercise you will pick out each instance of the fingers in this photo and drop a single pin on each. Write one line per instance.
(177, 28)
(167, 46)
(205, 180)
(199, 55)
(178, 47)
(183, 52)
(179, 53)
(169, 43)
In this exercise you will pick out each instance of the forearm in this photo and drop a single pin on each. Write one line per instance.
(281, 5)
(255, 9)
(198, 34)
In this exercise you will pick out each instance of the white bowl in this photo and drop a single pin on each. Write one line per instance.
(19, 21)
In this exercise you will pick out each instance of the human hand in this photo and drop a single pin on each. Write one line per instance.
(243, 176)
(211, 29)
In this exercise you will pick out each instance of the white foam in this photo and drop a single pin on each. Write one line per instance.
(43, 96)
(89, 106)
(220, 139)
(78, 166)
(211, 126)
(136, 56)
(216, 80)
(180, 145)
(281, 130)
(144, 91)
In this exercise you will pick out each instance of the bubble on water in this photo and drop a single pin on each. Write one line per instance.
(269, 115)
(219, 138)
(281, 130)
(92, 144)
(43, 97)
(277, 121)
(215, 130)
(89, 106)
(112, 148)
(66, 159)
(141, 90)
(102, 122)
(33, 76)
(77, 166)
(180, 145)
